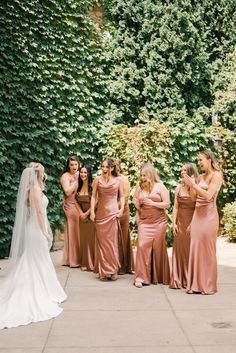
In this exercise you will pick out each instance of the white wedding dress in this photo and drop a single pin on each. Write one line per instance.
(30, 292)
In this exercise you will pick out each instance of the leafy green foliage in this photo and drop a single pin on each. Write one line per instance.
(52, 95)
(223, 114)
(229, 221)
(164, 145)
(164, 54)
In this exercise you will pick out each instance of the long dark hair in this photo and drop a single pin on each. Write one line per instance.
(71, 158)
(90, 179)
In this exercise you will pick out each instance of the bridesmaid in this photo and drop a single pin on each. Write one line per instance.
(150, 199)
(125, 246)
(107, 224)
(184, 206)
(69, 183)
(87, 229)
(202, 268)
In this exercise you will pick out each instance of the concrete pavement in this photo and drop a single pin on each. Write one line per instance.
(116, 317)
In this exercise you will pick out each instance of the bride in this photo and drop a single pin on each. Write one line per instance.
(29, 289)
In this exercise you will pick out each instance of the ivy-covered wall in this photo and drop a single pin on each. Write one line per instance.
(52, 95)
(71, 70)
(164, 55)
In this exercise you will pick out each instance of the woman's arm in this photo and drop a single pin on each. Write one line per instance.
(93, 199)
(36, 199)
(126, 185)
(68, 186)
(122, 198)
(135, 199)
(165, 195)
(214, 186)
(175, 211)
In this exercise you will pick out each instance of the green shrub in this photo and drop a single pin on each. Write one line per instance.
(165, 145)
(229, 221)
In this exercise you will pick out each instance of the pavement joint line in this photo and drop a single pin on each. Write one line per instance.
(153, 310)
(125, 346)
(178, 321)
(53, 320)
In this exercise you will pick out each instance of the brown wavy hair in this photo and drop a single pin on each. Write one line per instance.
(191, 169)
(210, 155)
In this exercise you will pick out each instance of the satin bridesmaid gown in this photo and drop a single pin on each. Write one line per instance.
(181, 245)
(107, 228)
(152, 265)
(125, 247)
(202, 268)
(71, 251)
(87, 235)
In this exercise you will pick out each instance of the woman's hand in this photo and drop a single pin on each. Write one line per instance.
(188, 230)
(119, 214)
(189, 180)
(92, 216)
(47, 236)
(146, 201)
(175, 229)
(83, 216)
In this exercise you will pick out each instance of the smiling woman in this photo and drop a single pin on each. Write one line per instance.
(151, 198)
(69, 183)
(87, 229)
(107, 220)
(202, 268)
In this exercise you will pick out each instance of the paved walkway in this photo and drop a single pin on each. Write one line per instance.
(116, 317)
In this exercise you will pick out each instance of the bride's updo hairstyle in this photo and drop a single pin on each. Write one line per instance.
(39, 170)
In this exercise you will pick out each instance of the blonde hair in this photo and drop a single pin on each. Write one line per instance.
(151, 174)
(210, 155)
(191, 169)
(41, 175)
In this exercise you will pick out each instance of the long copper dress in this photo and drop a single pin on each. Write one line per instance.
(125, 247)
(71, 251)
(107, 227)
(87, 235)
(152, 265)
(202, 268)
(180, 255)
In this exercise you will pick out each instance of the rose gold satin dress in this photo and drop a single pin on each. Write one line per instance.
(71, 251)
(202, 268)
(181, 246)
(125, 247)
(152, 265)
(107, 227)
(87, 235)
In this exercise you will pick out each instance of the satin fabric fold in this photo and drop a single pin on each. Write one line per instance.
(202, 267)
(181, 245)
(126, 257)
(108, 228)
(71, 250)
(152, 265)
(87, 235)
